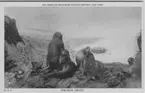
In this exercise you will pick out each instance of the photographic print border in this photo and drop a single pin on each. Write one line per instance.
(46, 4)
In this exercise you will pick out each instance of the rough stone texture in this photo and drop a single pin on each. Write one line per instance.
(11, 32)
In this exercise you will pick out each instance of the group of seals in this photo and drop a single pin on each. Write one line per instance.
(60, 65)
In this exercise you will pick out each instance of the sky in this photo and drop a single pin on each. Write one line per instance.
(72, 22)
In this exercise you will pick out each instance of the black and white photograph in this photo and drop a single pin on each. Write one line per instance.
(73, 47)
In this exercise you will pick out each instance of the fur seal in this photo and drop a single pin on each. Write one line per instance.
(130, 61)
(54, 51)
(93, 68)
(81, 56)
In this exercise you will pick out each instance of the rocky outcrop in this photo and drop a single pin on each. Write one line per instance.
(139, 42)
(11, 32)
(19, 55)
(136, 68)
(11, 37)
(98, 50)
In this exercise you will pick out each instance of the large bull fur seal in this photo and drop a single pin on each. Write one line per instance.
(54, 51)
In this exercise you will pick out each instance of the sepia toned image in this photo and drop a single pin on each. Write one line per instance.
(73, 47)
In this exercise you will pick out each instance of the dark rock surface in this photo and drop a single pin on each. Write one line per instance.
(11, 32)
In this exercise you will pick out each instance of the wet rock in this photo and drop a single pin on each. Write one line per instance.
(20, 83)
(34, 81)
(113, 82)
(116, 67)
(81, 83)
(16, 83)
(107, 75)
(66, 83)
(132, 83)
(9, 79)
(9, 64)
(51, 83)
(116, 79)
